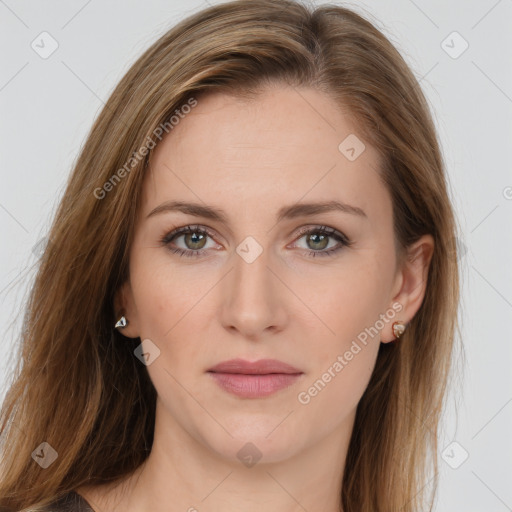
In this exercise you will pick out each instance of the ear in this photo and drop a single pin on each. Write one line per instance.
(411, 282)
(125, 305)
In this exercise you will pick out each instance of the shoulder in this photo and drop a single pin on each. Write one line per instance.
(70, 502)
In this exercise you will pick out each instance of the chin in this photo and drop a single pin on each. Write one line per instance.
(255, 442)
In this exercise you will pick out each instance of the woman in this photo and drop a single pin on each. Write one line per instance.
(250, 292)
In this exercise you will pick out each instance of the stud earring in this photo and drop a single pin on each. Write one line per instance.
(122, 322)
(398, 329)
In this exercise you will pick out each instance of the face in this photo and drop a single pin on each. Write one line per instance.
(315, 288)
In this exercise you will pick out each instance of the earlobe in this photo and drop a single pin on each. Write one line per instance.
(125, 320)
(121, 323)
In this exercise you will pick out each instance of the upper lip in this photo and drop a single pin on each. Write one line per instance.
(261, 367)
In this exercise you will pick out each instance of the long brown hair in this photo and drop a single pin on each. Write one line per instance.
(78, 386)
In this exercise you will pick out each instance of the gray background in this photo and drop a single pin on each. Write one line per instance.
(48, 105)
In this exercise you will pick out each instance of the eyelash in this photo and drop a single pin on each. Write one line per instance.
(190, 253)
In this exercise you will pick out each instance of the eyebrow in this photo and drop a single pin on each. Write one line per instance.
(286, 212)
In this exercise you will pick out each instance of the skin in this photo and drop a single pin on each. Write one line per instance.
(250, 158)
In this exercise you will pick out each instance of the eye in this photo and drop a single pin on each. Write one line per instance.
(318, 239)
(194, 238)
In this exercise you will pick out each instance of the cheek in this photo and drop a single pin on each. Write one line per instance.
(168, 305)
(164, 291)
(350, 301)
(349, 306)
(346, 355)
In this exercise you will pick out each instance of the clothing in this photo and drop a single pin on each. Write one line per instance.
(70, 502)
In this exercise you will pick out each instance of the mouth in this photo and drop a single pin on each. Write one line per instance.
(261, 367)
(254, 379)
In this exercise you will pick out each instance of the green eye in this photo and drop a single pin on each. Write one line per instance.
(195, 239)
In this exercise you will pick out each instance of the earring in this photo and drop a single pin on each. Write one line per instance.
(122, 322)
(398, 329)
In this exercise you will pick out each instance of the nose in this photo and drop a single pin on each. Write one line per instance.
(253, 298)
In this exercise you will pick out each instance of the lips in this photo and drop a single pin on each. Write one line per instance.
(258, 379)
(261, 367)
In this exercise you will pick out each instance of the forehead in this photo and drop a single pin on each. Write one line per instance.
(284, 145)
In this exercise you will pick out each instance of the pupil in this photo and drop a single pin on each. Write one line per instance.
(195, 236)
(323, 239)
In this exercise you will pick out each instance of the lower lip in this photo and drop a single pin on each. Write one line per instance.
(254, 386)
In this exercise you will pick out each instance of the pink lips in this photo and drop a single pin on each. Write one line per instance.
(254, 380)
